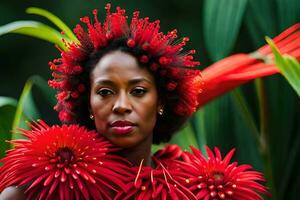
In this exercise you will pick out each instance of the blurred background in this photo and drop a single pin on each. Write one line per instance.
(216, 28)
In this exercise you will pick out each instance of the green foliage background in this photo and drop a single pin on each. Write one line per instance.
(261, 119)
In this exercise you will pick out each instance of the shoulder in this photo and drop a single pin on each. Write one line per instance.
(12, 193)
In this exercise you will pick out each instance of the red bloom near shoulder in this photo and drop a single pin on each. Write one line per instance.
(215, 178)
(169, 153)
(63, 162)
(70, 162)
(147, 183)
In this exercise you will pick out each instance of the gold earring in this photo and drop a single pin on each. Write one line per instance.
(161, 111)
(91, 117)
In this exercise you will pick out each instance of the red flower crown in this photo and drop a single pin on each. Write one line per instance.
(161, 53)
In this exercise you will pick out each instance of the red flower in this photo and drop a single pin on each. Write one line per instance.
(169, 153)
(238, 69)
(67, 162)
(148, 183)
(214, 178)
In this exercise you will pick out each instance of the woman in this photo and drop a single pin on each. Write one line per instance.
(127, 82)
(136, 86)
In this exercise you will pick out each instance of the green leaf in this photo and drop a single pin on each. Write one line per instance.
(55, 20)
(283, 126)
(285, 168)
(185, 138)
(260, 20)
(26, 108)
(243, 109)
(246, 131)
(291, 162)
(199, 126)
(222, 22)
(156, 147)
(4, 101)
(289, 67)
(47, 92)
(35, 29)
(7, 112)
(287, 12)
(247, 150)
(215, 122)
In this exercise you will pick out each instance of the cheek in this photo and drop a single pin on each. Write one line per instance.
(101, 125)
(148, 113)
(151, 115)
(150, 122)
(101, 112)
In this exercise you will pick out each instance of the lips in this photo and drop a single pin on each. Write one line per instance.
(122, 127)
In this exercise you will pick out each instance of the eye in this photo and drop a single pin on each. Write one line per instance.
(105, 92)
(139, 91)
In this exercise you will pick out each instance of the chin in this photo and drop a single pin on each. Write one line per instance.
(124, 144)
(123, 141)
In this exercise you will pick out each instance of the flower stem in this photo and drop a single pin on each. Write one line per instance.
(245, 113)
(264, 146)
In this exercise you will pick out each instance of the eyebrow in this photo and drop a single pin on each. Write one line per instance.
(130, 82)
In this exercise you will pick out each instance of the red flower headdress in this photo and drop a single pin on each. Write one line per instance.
(215, 178)
(67, 162)
(162, 54)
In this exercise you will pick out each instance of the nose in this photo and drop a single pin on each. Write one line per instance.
(122, 104)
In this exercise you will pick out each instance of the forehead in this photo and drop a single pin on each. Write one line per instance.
(119, 65)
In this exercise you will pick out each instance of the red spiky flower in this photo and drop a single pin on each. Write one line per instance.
(161, 53)
(147, 183)
(215, 178)
(238, 69)
(67, 162)
(166, 155)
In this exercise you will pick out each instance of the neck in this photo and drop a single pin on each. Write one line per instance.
(140, 152)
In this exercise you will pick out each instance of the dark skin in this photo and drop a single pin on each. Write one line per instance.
(121, 90)
(12, 193)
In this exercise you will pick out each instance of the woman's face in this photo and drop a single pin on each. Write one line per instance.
(123, 100)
